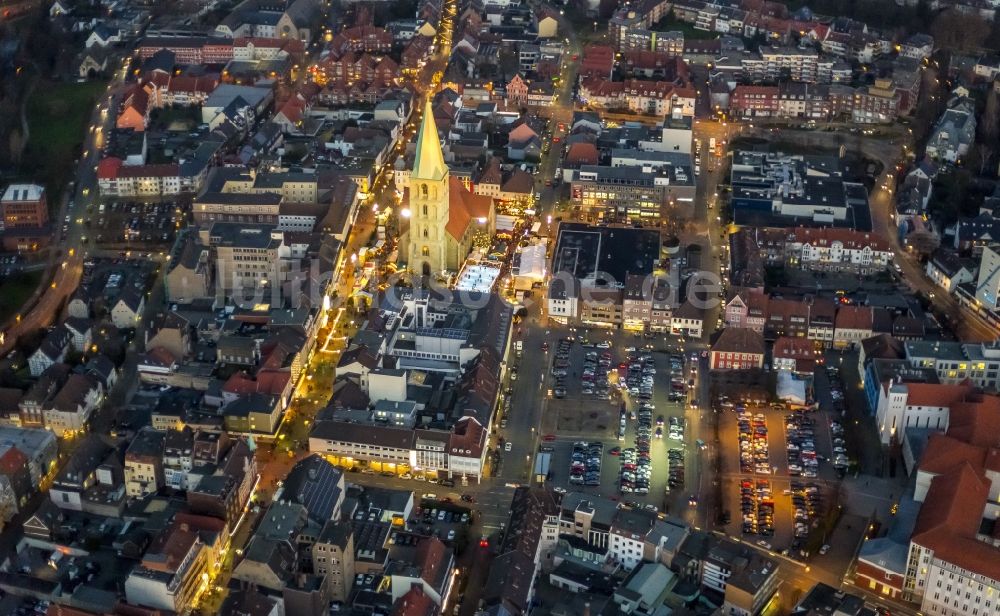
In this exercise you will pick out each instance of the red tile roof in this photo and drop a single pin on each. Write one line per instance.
(468, 437)
(464, 207)
(582, 153)
(944, 453)
(739, 340)
(849, 238)
(954, 502)
(949, 521)
(854, 317)
(414, 603)
(12, 461)
(936, 394)
(108, 168)
(976, 421)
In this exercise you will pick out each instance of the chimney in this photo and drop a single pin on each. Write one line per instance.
(586, 608)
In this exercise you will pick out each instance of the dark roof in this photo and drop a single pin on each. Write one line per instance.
(315, 484)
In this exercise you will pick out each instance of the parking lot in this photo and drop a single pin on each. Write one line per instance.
(125, 223)
(634, 414)
(438, 517)
(778, 469)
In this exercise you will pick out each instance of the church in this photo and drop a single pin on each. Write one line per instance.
(444, 216)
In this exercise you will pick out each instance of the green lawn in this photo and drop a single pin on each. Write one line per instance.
(57, 121)
(15, 290)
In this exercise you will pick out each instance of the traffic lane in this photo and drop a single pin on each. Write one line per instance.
(529, 388)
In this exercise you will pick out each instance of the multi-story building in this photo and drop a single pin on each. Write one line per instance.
(954, 362)
(68, 413)
(176, 564)
(791, 191)
(738, 349)
(902, 405)
(144, 463)
(24, 206)
(837, 250)
(590, 285)
(246, 256)
(950, 566)
(746, 579)
(633, 194)
(954, 133)
(877, 103)
(754, 101)
(659, 98)
(988, 282)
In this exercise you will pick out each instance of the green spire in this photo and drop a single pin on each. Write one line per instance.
(429, 162)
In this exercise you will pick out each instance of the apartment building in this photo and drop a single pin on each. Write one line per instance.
(877, 103)
(951, 561)
(144, 463)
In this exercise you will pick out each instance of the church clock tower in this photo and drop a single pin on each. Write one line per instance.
(426, 251)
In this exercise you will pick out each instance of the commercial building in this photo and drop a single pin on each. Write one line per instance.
(641, 193)
(738, 349)
(599, 271)
(24, 205)
(778, 190)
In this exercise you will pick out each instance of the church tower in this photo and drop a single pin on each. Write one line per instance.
(427, 247)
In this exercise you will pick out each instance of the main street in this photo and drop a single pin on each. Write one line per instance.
(66, 255)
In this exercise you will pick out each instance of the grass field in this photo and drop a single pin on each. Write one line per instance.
(15, 290)
(57, 121)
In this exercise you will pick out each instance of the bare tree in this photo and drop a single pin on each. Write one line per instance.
(958, 30)
(989, 126)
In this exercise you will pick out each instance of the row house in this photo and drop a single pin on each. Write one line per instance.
(852, 325)
(352, 68)
(652, 97)
(751, 101)
(803, 100)
(167, 90)
(458, 453)
(823, 322)
(837, 250)
(797, 355)
(747, 309)
(786, 317)
(118, 180)
(416, 53)
(344, 94)
(267, 49)
(368, 39)
(790, 100)
(189, 50)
